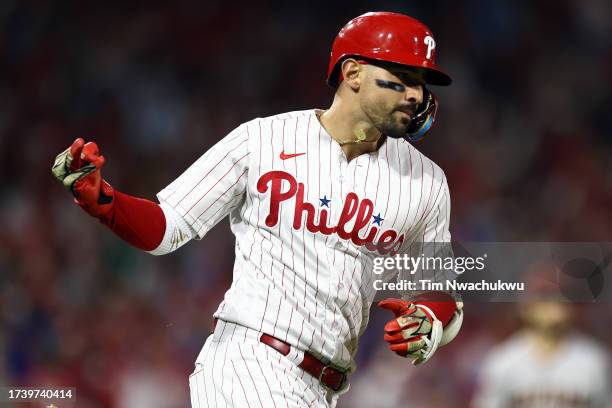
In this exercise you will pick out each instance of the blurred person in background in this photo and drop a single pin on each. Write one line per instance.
(548, 362)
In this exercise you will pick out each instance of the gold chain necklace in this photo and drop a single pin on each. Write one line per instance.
(360, 137)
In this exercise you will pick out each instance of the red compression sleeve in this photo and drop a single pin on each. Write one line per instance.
(137, 221)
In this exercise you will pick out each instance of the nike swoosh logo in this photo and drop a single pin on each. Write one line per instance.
(284, 156)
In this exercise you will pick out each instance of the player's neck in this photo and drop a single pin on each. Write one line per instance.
(354, 134)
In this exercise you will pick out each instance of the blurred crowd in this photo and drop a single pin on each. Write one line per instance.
(523, 135)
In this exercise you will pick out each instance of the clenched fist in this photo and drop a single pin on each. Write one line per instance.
(78, 168)
(422, 325)
(415, 332)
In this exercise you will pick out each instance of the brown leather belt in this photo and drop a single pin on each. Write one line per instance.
(328, 376)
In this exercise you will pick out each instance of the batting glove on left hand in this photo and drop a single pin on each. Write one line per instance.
(415, 332)
(78, 168)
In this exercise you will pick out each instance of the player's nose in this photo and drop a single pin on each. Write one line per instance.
(414, 94)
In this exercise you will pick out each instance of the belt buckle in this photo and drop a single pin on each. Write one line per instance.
(323, 373)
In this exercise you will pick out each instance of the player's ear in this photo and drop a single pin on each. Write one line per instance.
(351, 71)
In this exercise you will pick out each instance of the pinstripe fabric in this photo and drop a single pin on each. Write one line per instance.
(235, 370)
(310, 289)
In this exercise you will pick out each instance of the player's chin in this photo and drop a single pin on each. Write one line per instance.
(397, 127)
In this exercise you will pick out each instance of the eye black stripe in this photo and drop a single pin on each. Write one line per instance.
(391, 85)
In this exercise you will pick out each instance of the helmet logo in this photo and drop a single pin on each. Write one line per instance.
(431, 45)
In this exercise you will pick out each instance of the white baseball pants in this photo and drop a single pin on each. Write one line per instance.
(234, 369)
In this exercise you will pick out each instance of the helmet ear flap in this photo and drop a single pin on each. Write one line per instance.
(424, 118)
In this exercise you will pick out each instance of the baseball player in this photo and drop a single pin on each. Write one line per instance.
(312, 197)
(546, 364)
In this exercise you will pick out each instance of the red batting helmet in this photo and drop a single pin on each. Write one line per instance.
(388, 37)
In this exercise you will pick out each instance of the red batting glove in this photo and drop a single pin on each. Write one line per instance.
(418, 328)
(406, 333)
(79, 169)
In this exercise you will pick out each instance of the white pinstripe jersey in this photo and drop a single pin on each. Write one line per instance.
(305, 221)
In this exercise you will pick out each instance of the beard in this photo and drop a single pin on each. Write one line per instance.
(392, 127)
(389, 122)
